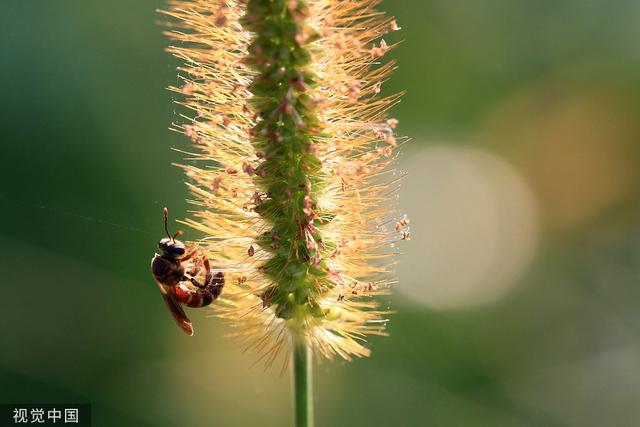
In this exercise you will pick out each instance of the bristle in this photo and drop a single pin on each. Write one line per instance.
(293, 184)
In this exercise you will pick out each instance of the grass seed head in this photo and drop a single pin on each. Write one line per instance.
(293, 185)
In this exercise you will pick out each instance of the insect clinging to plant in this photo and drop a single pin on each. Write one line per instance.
(184, 276)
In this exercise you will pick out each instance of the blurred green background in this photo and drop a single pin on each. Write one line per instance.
(518, 293)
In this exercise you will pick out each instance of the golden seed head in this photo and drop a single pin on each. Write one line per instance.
(350, 224)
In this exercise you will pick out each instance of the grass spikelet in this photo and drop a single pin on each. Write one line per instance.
(290, 166)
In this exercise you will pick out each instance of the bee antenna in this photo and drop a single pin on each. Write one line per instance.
(179, 232)
(166, 220)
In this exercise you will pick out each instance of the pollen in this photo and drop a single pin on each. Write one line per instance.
(290, 168)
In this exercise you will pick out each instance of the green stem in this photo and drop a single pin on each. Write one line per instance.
(303, 383)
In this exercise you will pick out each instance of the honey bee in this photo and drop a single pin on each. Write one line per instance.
(177, 269)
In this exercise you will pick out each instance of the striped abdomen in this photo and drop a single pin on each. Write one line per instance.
(200, 297)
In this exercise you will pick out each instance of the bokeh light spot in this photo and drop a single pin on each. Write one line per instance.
(474, 227)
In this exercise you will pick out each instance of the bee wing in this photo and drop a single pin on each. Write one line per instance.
(169, 296)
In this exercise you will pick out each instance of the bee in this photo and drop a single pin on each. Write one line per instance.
(177, 269)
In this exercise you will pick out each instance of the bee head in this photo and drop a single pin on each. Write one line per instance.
(169, 245)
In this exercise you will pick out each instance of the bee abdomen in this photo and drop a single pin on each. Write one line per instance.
(201, 297)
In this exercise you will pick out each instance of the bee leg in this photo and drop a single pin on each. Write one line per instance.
(210, 280)
(207, 292)
(195, 269)
(214, 283)
(194, 282)
(189, 255)
(207, 269)
(199, 297)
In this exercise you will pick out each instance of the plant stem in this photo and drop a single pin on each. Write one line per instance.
(303, 383)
